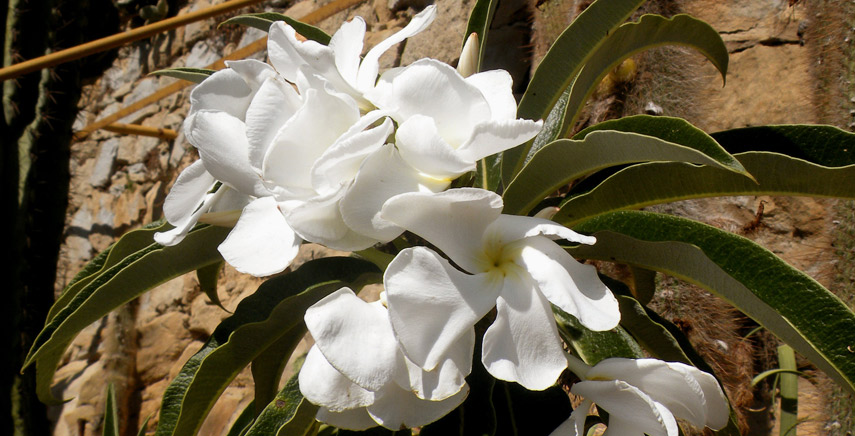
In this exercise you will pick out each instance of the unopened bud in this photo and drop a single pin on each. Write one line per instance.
(468, 63)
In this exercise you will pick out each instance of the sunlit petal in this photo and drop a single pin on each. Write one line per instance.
(322, 384)
(628, 404)
(432, 305)
(449, 377)
(341, 161)
(371, 65)
(261, 242)
(522, 344)
(497, 88)
(353, 419)
(225, 91)
(346, 43)
(382, 176)
(454, 220)
(570, 285)
(423, 148)
(575, 424)
(396, 408)
(356, 338)
(492, 137)
(275, 102)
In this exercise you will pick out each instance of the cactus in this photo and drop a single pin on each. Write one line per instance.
(38, 112)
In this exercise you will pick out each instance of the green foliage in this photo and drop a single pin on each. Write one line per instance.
(263, 20)
(790, 304)
(272, 314)
(195, 75)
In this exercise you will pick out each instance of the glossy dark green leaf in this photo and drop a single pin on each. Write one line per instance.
(267, 368)
(592, 346)
(127, 278)
(208, 277)
(263, 20)
(195, 75)
(243, 421)
(289, 414)
(276, 309)
(822, 145)
(787, 302)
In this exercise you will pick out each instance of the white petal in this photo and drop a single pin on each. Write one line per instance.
(353, 419)
(627, 404)
(356, 338)
(323, 385)
(509, 228)
(254, 72)
(281, 39)
(187, 193)
(185, 223)
(454, 220)
(497, 87)
(424, 149)
(570, 285)
(225, 91)
(383, 175)
(261, 243)
(225, 212)
(274, 104)
(319, 220)
(575, 424)
(346, 43)
(432, 88)
(522, 344)
(397, 409)
(371, 65)
(432, 305)
(491, 137)
(717, 408)
(221, 140)
(305, 137)
(341, 162)
(449, 377)
(675, 385)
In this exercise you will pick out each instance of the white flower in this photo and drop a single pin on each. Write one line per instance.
(508, 262)
(643, 396)
(359, 376)
(446, 124)
(339, 62)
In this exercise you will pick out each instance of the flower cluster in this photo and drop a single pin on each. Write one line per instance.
(317, 146)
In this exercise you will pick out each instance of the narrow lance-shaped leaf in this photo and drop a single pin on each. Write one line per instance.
(263, 20)
(592, 346)
(565, 160)
(650, 31)
(111, 414)
(664, 182)
(128, 244)
(268, 366)
(208, 276)
(243, 421)
(259, 321)
(127, 279)
(289, 414)
(195, 75)
(562, 64)
(787, 302)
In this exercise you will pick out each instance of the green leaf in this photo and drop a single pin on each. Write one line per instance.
(562, 64)
(650, 31)
(777, 371)
(111, 413)
(289, 414)
(592, 346)
(268, 366)
(207, 277)
(275, 310)
(127, 278)
(822, 145)
(263, 20)
(142, 431)
(787, 302)
(657, 182)
(479, 23)
(243, 421)
(789, 391)
(651, 335)
(128, 244)
(488, 173)
(564, 160)
(195, 75)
